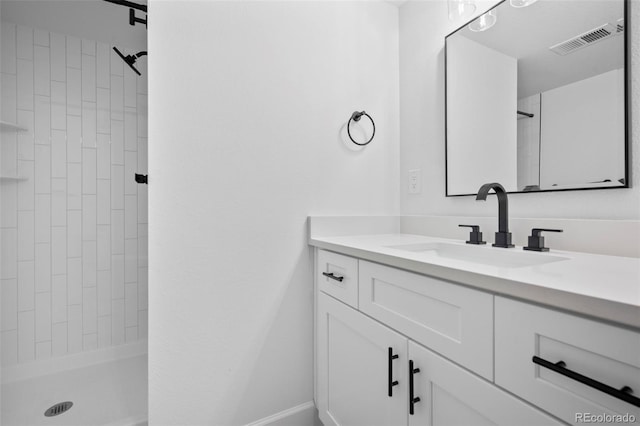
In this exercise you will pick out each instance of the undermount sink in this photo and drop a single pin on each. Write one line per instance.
(484, 255)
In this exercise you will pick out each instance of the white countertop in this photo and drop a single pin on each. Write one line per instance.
(604, 287)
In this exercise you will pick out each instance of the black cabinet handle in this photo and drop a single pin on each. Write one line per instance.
(560, 368)
(332, 276)
(412, 399)
(392, 382)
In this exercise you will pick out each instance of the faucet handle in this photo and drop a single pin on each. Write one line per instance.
(536, 241)
(475, 237)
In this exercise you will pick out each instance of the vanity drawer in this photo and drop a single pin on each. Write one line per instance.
(452, 320)
(602, 352)
(337, 275)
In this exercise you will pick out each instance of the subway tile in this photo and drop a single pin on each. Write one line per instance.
(43, 268)
(130, 261)
(8, 253)
(88, 47)
(117, 97)
(43, 169)
(143, 246)
(88, 78)
(117, 64)
(26, 138)
(117, 231)
(9, 104)
(74, 91)
(142, 109)
(8, 206)
(103, 154)
(117, 276)
(58, 106)
(104, 331)
(42, 115)
(103, 105)
(40, 37)
(117, 142)
(26, 235)
(89, 214)
(58, 250)
(59, 154)
(43, 350)
(103, 248)
(117, 187)
(58, 202)
(9, 154)
(74, 186)
(59, 339)
(9, 340)
(58, 57)
(74, 233)
(74, 139)
(130, 216)
(131, 334)
(89, 311)
(142, 81)
(90, 341)
(43, 218)
(89, 266)
(104, 202)
(26, 189)
(130, 89)
(74, 329)
(143, 324)
(74, 281)
(131, 304)
(143, 204)
(43, 316)
(104, 293)
(89, 124)
(59, 299)
(26, 285)
(143, 288)
(24, 41)
(73, 52)
(130, 169)
(26, 336)
(130, 129)
(24, 99)
(89, 165)
(103, 76)
(142, 155)
(9, 298)
(41, 71)
(117, 322)
(8, 48)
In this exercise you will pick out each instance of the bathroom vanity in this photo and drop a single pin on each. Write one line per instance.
(427, 331)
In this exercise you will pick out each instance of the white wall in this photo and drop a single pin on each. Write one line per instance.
(481, 145)
(247, 106)
(422, 130)
(529, 142)
(74, 230)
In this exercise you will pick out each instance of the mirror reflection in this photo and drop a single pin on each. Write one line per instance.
(536, 98)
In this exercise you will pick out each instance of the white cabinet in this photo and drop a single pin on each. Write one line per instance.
(337, 275)
(450, 395)
(598, 351)
(353, 368)
(452, 320)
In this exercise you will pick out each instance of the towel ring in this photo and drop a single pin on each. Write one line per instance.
(356, 116)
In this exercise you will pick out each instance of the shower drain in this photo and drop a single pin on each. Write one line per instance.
(58, 409)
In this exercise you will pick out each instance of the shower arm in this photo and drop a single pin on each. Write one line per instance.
(129, 4)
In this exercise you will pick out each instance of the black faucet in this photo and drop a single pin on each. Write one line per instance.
(503, 236)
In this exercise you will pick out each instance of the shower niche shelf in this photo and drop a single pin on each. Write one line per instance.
(8, 126)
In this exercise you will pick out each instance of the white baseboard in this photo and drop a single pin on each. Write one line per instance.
(38, 368)
(300, 415)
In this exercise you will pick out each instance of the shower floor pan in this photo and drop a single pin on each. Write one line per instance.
(112, 393)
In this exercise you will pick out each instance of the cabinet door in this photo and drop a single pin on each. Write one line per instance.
(353, 369)
(450, 395)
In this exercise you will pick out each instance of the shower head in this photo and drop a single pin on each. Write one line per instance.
(131, 59)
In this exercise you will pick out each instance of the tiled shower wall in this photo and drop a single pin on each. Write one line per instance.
(74, 232)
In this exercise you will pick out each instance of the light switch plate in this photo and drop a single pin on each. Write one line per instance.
(415, 182)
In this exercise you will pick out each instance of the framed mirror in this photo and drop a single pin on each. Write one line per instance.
(537, 97)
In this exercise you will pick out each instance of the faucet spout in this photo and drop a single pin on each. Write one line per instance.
(503, 236)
